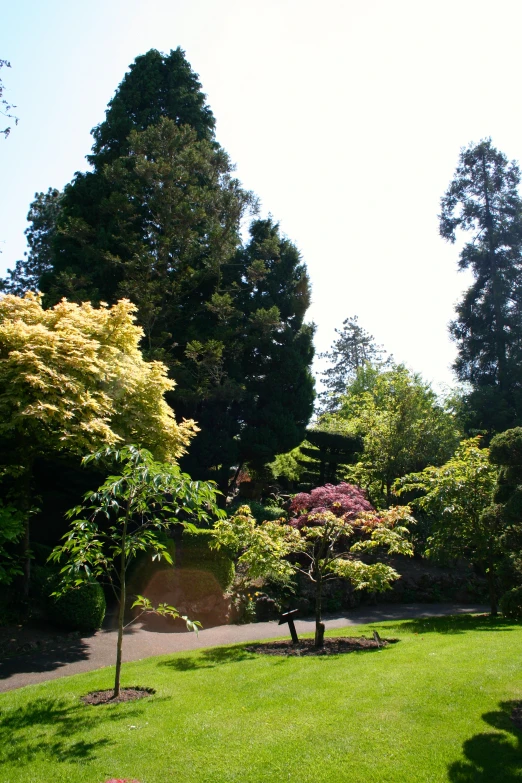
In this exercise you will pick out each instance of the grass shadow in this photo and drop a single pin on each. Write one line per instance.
(208, 659)
(453, 624)
(53, 729)
(491, 756)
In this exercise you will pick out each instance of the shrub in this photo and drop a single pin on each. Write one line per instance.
(343, 500)
(260, 512)
(196, 553)
(80, 609)
(143, 568)
(511, 603)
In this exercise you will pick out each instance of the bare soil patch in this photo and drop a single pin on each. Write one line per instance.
(126, 694)
(335, 646)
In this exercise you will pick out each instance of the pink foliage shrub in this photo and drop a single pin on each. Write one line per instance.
(344, 500)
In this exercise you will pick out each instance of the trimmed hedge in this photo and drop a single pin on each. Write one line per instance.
(196, 553)
(81, 609)
(144, 567)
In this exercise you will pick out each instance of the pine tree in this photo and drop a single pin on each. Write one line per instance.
(351, 351)
(483, 199)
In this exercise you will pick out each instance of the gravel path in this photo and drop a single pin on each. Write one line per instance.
(84, 654)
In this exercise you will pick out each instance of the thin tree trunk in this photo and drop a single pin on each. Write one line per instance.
(500, 340)
(492, 587)
(319, 626)
(26, 500)
(121, 608)
(27, 556)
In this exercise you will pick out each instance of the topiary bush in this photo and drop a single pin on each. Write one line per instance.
(511, 603)
(197, 554)
(81, 609)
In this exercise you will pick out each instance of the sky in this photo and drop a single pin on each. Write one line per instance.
(345, 117)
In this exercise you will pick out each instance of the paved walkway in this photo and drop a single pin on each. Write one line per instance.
(99, 649)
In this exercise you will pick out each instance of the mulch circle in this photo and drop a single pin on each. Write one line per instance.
(332, 646)
(126, 694)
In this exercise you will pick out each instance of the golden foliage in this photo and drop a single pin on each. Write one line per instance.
(73, 377)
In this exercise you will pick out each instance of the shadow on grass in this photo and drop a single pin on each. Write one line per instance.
(208, 659)
(54, 730)
(491, 756)
(453, 624)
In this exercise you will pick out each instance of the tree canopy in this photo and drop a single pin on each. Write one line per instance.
(353, 348)
(455, 496)
(72, 378)
(158, 220)
(483, 201)
(403, 426)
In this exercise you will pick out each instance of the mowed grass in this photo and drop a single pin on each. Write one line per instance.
(433, 707)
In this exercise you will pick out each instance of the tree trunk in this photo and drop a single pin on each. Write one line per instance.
(492, 588)
(121, 608)
(500, 339)
(26, 501)
(319, 626)
(27, 556)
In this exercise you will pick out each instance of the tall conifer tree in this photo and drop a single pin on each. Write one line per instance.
(483, 200)
(158, 220)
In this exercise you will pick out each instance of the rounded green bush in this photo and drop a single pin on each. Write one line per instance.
(197, 553)
(511, 603)
(81, 609)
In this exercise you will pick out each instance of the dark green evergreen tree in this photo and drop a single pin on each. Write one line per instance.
(483, 200)
(158, 221)
(155, 86)
(29, 271)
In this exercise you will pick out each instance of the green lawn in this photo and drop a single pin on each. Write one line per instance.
(434, 707)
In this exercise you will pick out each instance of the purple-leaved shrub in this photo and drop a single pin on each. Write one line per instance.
(345, 501)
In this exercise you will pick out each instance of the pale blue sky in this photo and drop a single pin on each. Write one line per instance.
(345, 117)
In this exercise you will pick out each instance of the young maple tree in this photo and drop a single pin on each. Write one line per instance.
(124, 517)
(331, 526)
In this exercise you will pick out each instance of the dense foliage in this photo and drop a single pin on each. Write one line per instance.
(325, 454)
(455, 496)
(353, 348)
(332, 527)
(403, 425)
(196, 552)
(483, 200)
(158, 220)
(504, 515)
(82, 609)
(344, 500)
(72, 378)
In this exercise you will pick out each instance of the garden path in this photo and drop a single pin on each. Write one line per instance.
(94, 651)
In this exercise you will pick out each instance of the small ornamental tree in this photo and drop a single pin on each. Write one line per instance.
(330, 527)
(124, 517)
(455, 497)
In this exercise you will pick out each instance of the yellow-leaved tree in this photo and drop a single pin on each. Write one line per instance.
(73, 379)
